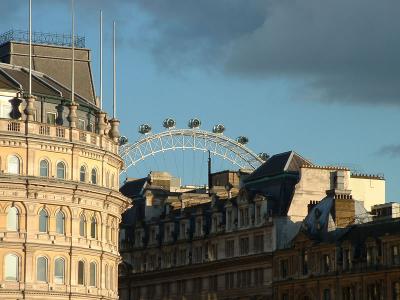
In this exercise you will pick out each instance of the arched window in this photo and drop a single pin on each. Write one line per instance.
(43, 220)
(93, 275)
(44, 168)
(12, 219)
(60, 170)
(60, 222)
(59, 270)
(82, 174)
(81, 272)
(82, 225)
(11, 267)
(94, 176)
(13, 165)
(106, 276)
(41, 269)
(93, 227)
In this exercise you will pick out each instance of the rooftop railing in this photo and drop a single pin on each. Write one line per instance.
(42, 38)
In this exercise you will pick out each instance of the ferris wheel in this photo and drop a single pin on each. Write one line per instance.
(192, 138)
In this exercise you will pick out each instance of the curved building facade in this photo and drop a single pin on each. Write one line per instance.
(60, 207)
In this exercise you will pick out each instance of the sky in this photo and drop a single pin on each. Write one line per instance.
(318, 77)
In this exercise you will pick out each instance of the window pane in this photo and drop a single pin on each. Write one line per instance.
(81, 272)
(41, 270)
(12, 219)
(13, 165)
(43, 221)
(81, 124)
(93, 228)
(83, 174)
(59, 271)
(44, 168)
(60, 220)
(92, 274)
(94, 176)
(60, 170)
(11, 266)
(51, 118)
(82, 225)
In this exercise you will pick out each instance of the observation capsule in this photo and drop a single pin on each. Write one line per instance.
(144, 129)
(242, 140)
(169, 123)
(219, 128)
(194, 123)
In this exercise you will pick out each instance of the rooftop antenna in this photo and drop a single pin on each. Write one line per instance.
(73, 54)
(209, 173)
(114, 77)
(101, 60)
(30, 48)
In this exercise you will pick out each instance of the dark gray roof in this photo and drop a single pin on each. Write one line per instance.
(17, 78)
(279, 163)
(133, 188)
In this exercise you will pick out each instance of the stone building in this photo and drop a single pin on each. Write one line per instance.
(60, 206)
(190, 244)
(340, 253)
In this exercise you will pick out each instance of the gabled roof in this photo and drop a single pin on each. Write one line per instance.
(279, 163)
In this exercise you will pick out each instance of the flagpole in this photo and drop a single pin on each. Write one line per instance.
(30, 47)
(114, 77)
(101, 60)
(73, 55)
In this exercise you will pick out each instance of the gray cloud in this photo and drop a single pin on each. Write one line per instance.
(341, 50)
(390, 150)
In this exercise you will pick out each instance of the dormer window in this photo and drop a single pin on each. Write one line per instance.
(396, 255)
(258, 213)
(153, 235)
(371, 257)
(138, 240)
(244, 217)
(168, 232)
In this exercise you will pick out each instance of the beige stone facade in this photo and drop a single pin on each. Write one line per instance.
(60, 205)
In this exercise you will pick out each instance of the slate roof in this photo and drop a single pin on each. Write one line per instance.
(279, 163)
(17, 78)
(133, 188)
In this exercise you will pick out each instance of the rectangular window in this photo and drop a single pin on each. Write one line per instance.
(304, 259)
(326, 263)
(151, 291)
(258, 214)
(183, 230)
(229, 280)
(198, 254)
(284, 268)
(395, 255)
(165, 289)
(213, 252)
(182, 256)
(229, 248)
(81, 124)
(229, 220)
(259, 277)
(197, 285)
(181, 287)
(243, 279)
(51, 118)
(152, 262)
(213, 283)
(327, 294)
(244, 246)
(259, 243)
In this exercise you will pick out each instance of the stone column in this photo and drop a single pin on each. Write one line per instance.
(114, 131)
(72, 117)
(30, 108)
(101, 122)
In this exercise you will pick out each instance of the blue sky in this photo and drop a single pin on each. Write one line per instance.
(296, 75)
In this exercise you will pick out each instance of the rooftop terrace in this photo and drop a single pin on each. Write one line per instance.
(42, 38)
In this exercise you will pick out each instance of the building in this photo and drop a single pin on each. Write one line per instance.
(180, 244)
(386, 210)
(339, 255)
(59, 177)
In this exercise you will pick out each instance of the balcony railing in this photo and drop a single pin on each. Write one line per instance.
(57, 132)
